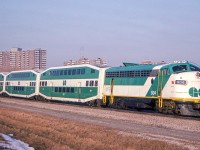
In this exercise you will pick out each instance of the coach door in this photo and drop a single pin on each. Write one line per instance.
(111, 91)
(79, 91)
(51, 90)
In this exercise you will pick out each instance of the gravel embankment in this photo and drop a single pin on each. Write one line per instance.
(174, 130)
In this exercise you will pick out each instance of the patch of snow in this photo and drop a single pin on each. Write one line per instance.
(13, 144)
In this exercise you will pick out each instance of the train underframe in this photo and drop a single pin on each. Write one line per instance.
(167, 107)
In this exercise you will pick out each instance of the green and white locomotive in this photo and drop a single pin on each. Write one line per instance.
(168, 88)
(23, 84)
(80, 83)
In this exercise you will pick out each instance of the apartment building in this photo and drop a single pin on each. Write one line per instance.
(83, 60)
(18, 59)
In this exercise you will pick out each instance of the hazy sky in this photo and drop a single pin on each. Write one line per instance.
(115, 30)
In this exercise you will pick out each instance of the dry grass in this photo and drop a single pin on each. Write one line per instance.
(44, 132)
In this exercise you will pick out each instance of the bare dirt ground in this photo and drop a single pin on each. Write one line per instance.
(54, 126)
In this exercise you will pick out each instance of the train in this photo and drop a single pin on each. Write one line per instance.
(171, 88)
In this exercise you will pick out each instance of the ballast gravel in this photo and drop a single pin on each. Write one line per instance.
(181, 131)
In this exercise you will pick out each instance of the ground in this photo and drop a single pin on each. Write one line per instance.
(45, 132)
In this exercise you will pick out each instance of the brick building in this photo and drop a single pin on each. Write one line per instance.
(83, 60)
(18, 59)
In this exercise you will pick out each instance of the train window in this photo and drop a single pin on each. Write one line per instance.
(44, 74)
(91, 83)
(179, 68)
(121, 74)
(57, 72)
(154, 73)
(137, 73)
(194, 68)
(18, 83)
(92, 71)
(64, 89)
(60, 89)
(87, 83)
(83, 71)
(72, 90)
(69, 72)
(96, 83)
(22, 88)
(68, 89)
(56, 89)
(61, 72)
(73, 71)
(78, 71)
(166, 72)
(65, 72)
(64, 82)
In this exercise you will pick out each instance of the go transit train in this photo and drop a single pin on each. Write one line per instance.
(167, 88)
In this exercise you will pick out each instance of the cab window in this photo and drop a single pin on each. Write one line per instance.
(166, 72)
(179, 68)
(194, 68)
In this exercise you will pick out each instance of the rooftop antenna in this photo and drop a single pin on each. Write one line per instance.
(82, 51)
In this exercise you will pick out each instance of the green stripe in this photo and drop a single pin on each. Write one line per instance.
(27, 90)
(126, 81)
(85, 92)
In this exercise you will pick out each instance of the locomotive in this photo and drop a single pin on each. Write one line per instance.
(172, 88)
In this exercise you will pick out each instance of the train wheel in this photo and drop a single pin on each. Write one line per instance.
(122, 105)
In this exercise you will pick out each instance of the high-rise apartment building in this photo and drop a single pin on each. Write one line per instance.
(83, 60)
(18, 59)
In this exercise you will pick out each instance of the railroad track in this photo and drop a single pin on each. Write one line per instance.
(141, 111)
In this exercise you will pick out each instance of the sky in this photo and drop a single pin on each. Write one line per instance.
(115, 30)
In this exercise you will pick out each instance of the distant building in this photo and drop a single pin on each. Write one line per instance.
(83, 60)
(18, 59)
(151, 62)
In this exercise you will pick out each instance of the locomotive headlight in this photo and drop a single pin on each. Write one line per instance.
(198, 74)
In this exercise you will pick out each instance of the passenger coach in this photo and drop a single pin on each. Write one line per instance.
(80, 83)
(2, 82)
(22, 84)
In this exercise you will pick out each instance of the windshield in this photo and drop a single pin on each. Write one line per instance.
(180, 68)
(194, 68)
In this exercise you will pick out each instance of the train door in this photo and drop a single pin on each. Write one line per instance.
(111, 91)
(163, 77)
(51, 90)
(159, 88)
(26, 90)
(79, 91)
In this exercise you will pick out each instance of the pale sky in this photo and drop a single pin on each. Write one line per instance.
(115, 30)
